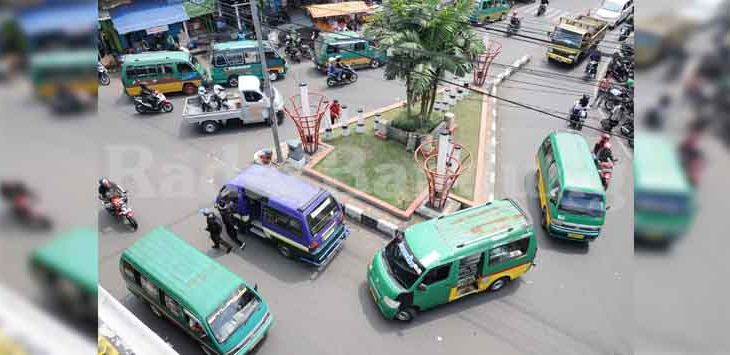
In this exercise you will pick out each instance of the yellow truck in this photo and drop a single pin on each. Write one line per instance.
(574, 38)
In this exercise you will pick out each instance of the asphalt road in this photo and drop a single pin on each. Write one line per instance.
(564, 306)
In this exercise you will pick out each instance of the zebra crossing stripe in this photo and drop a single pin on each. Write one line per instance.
(553, 13)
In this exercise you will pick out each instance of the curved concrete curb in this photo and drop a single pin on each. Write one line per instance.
(493, 133)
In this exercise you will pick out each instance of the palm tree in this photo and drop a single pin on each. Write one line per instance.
(426, 40)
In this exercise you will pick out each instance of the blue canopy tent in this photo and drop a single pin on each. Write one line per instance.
(57, 19)
(146, 15)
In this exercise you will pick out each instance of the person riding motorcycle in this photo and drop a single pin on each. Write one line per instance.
(580, 108)
(149, 95)
(108, 189)
(602, 148)
(515, 20)
(335, 68)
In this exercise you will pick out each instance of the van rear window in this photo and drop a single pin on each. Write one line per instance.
(588, 204)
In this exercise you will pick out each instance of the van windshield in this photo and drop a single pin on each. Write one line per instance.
(403, 265)
(322, 215)
(234, 313)
(582, 203)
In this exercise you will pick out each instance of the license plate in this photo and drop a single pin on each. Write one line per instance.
(576, 236)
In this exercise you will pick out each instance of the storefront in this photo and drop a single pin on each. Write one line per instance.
(149, 25)
(200, 24)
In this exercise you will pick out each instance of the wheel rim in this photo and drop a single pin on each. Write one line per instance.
(497, 285)
(284, 251)
(209, 127)
(139, 108)
(273, 76)
(233, 81)
(167, 107)
(374, 64)
(189, 89)
(403, 315)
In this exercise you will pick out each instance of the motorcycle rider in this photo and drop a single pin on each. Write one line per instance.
(602, 148)
(335, 68)
(149, 96)
(580, 108)
(108, 189)
(515, 20)
(594, 59)
(691, 154)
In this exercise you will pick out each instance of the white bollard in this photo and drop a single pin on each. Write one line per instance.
(304, 99)
(344, 121)
(441, 159)
(327, 122)
(453, 99)
(449, 119)
(360, 128)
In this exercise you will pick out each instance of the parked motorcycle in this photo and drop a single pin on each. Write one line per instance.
(206, 100)
(348, 76)
(23, 206)
(608, 124)
(616, 96)
(117, 207)
(144, 105)
(104, 79)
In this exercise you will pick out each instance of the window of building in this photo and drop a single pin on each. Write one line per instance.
(437, 274)
(150, 288)
(283, 221)
(510, 251)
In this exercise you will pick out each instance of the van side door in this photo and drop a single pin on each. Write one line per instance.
(167, 81)
(194, 327)
(284, 228)
(434, 287)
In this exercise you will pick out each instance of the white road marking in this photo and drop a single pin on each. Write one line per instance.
(494, 157)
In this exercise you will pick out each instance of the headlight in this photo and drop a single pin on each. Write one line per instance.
(391, 303)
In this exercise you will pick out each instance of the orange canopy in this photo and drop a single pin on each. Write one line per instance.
(338, 9)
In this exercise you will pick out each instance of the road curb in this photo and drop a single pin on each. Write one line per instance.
(519, 63)
(360, 216)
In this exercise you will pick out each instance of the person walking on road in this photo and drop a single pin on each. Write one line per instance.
(335, 110)
(213, 226)
(603, 87)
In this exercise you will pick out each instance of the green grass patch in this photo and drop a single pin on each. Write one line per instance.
(468, 113)
(383, 169)
(399, 119)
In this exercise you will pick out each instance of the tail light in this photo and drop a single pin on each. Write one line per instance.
(313, 245)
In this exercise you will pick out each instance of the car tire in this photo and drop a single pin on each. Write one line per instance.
(167, 107)
(156, 311)
(139, 108)
(189, 89)
(406, 314)
(331, 82)
(232, 81)
(375, 64)
(273, 75)
(210, 127)
(499, 284)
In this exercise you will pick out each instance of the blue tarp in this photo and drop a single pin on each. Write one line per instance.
(147, 14)
(58, 18)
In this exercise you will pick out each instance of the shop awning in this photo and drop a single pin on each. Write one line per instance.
(148, 14)
(338, 9)
(195, 8)
(56, 19)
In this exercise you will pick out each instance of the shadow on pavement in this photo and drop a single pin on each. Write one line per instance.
(383, 325)
(107, 223)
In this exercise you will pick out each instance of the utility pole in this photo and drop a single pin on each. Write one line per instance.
(267, 82)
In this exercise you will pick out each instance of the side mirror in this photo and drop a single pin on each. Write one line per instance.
(422, 287)
(255, 287)
(608, 208)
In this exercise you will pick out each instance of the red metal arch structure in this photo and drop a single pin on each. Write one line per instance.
(308, 125)
(484, 61)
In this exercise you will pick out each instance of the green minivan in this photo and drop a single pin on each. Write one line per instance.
(446, 258)
(572, 197)
(165, 71)
(352, 49)
(229, 60)
(210, 303)
(67, 268)
(664, 205)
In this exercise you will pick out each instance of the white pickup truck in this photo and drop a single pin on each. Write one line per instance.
(249, 105)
